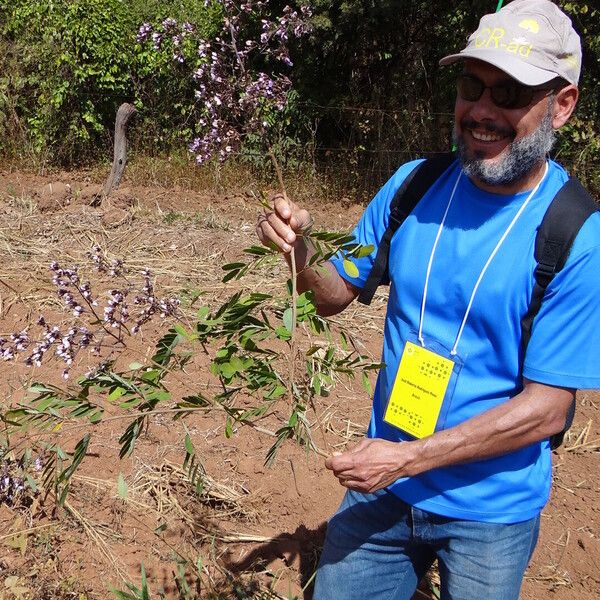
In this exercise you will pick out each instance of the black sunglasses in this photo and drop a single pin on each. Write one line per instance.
(508, 94)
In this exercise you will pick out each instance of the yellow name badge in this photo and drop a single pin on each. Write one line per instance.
(419, 390)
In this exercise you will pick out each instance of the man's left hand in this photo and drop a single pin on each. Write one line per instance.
(372, 465)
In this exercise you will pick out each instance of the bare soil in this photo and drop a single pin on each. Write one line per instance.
(255, 531)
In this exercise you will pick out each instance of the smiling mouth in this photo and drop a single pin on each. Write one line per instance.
(486, 137)
(486, 132)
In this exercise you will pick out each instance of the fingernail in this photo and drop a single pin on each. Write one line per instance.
(286, 247)
(290, 237)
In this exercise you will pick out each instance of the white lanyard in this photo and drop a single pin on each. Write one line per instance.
(485, 267)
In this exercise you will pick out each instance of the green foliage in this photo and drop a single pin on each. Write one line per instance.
(187, 578)
(164, 89)
(578, 144)
(370, 77)
(68, 64)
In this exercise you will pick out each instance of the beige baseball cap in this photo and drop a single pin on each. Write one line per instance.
(533, 41)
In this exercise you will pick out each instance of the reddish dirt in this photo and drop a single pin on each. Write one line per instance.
(255, 527)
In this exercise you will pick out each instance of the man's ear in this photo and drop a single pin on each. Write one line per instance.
(564, 105)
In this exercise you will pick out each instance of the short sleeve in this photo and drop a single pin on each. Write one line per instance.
(372, 226)
(564, 349)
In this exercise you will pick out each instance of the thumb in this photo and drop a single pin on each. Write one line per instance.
(329, 460)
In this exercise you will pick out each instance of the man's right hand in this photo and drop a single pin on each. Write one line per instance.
(282, 225)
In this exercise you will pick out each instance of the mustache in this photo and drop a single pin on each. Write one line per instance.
(469, 123)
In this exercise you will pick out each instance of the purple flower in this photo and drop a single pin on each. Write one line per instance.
(169, 24)
(235, 100)
(143, 32)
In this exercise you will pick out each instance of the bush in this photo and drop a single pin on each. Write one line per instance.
(68, 66)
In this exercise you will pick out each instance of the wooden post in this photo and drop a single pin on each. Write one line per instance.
(125, 112)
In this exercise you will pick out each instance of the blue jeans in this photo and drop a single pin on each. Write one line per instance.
(378, 548)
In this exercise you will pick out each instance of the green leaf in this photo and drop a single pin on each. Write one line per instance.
(129, 437)
(350, 268)
(122, 487)
(237, 364)
(231, 275)
(367, 383)
(31, 483)
(40, 388)
(233, 266)
(317, 385)
(227, 370)
(96, 417)
(288, 319)
(189, 446)
(165, 347)
(258, 250)
(282, 333)
(343, 341)
(202, 312)
(78, 456)
(15, 417)
(228, 428)
(181, 330)
(364, 251)
(275, 393)
(145, 593)
(116, 393)
(131, 403)
(134, 366)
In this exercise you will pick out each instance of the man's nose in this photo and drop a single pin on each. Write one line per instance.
(484, 108)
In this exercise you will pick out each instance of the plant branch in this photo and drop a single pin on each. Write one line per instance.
(293, 275)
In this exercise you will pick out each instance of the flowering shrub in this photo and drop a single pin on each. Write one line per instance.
(235, 98)
(123, 311)
(16, 478)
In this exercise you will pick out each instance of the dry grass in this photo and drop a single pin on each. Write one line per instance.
(580, 441)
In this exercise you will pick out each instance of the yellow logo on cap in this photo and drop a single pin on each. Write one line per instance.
(572, 61)
(494, 38)
(530, 25)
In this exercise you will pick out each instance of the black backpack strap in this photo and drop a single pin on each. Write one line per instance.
(567, 213)
(413, 188)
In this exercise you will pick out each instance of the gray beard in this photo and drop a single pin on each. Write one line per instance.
(522, 157)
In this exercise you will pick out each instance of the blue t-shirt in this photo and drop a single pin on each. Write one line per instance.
(564, 346)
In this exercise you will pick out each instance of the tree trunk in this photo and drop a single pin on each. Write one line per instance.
(125, 112)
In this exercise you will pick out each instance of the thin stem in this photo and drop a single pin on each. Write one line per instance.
(161, 411)
(235, 49)
(294, 275)
(98, 318)
(293, 268)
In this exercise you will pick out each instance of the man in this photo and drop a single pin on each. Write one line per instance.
(467, 482)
